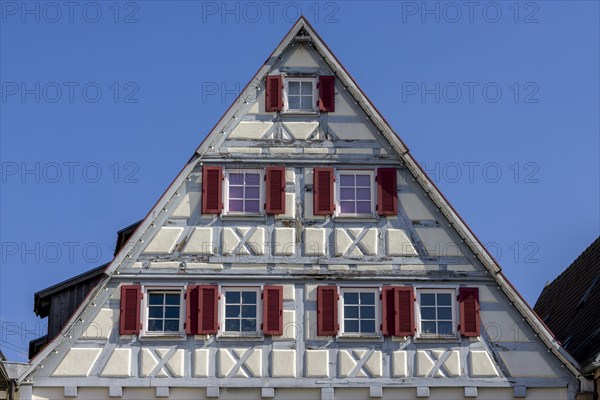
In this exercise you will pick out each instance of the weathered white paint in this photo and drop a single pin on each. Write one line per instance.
(77, 362)
(283, 363)
(481, 364)
(189, 203)
(201, 242)
(400, 364)
(164, 240)
(527, 364)
(317, 363)
(398, 243)
(118, 364)
(314, 241)
(285, 241)
(102, 325)
(201, 360)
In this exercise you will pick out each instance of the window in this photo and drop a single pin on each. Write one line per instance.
(300, 94)
(355, 193)
(164, 312)
(437, 313)
(244, 192)
(360, 312)
(241, 311)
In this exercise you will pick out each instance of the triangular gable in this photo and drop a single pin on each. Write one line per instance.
(159, 213)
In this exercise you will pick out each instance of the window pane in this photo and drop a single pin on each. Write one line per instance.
(351, 298)
(444, 313)
(232, 297)
(248, 325)
(236, 205)
(428, 327)
(443, 299)
(346, 180)
(294, 88)
(351, 326)
(350, 312)
(249, 311)
(445, 328)
(346, 194)
(367, 326)
(367, 312)
(347, 207)
(155, 325)
(363, 180)
(172, 298)
(155, 312)
(252, 179)
(427, 299)
(252, 192)
(172, 325)
(307, 88)
(363, 194)
(232, 311)
(232, 325)
(172, 312)
(363, 207)
(306, 103)
(428, 312)
(236, 192)
(367, 298)
(252, 205)
(249, 297)
(294, 103)
(155, 298)
(236, 179)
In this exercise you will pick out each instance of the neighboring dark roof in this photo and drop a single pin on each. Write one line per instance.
(41, 305)
(570, 305)
(124, 234)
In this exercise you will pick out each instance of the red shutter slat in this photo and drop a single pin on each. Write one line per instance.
(192, 303)
(208, 297)
(323, 191)
(388, 311)
(326, 93)
(212, 189)
(327, 310)
(273, 95)
(129, 323)
(275, 177)
(469, 311)
(387, 192)
(273, 310)
(405, 309)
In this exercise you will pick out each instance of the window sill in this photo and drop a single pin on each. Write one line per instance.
(437, 339)
(363, 218)
(245, 217)
(299, 112)
(239, 338)
(361, 338)
(163, 336)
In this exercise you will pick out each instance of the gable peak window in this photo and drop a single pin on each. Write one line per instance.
(300, 94)
(244, 192)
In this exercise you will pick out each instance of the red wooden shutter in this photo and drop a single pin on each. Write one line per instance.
(327, 93)
(129, 323)
(191, 303)
(273, 95)
(323, 191)
(212, 189)
(388, 311)
(327, 310)
(405, 311)
(469, 311)
(272, 310)
(275, 178)
(387, 192)
(208, 297)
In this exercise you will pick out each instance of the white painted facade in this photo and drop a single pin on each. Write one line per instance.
(425, 246)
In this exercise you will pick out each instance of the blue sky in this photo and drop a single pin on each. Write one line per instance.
(104, 102)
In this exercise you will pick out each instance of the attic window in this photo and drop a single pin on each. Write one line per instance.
(299, 94)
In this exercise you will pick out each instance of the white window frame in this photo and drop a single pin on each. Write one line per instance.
(338, 207)
(377, 293)
(454, 305)
(289, 79)
(261, 191)
(259, 304)
(145, 314)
